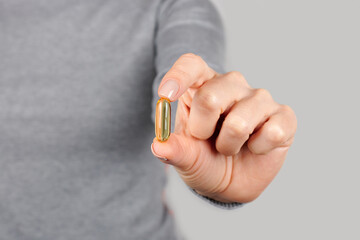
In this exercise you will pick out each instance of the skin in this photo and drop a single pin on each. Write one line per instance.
(230, 140)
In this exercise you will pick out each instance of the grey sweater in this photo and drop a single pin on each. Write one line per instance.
(78, 86)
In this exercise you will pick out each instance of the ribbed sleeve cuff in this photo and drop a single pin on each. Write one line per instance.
(228, 206)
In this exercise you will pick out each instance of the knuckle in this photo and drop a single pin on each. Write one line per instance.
(207, 100)
(192, 57)
(194, 60)
(179, 73)
(290, 114)
(236, 75)
(237, 127)
(263, 94)
(276, 135)
(287, 109)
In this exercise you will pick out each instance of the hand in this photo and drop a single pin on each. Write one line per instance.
(230, 140)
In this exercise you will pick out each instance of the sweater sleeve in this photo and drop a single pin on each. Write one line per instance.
(188, 26)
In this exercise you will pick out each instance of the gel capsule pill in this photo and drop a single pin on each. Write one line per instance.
(163, 119)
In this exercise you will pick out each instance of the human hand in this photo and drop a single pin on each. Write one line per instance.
(230, 140)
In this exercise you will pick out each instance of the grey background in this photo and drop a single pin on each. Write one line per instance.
(307, 54)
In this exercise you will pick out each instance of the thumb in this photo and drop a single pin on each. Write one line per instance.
(177, 151)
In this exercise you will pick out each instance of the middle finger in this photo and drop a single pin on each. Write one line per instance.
(212, 99)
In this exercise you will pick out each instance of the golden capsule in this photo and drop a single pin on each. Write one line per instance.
(163, 119)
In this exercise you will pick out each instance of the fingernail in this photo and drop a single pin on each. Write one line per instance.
(169, 89)
(156, 155)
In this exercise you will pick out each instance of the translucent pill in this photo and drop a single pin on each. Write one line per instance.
(163, 120)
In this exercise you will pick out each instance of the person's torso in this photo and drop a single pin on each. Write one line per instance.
(75, 126)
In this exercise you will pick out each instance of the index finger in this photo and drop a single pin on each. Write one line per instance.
(189, 70)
